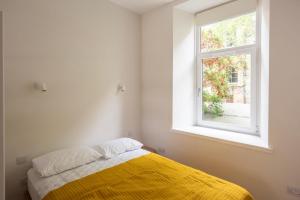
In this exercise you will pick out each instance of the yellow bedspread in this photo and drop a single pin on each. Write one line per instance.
(150, 177)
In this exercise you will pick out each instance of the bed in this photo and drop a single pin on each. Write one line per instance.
(134, 175)
(38, 187)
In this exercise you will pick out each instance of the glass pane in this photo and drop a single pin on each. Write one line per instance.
(233, 32)
(226, 89)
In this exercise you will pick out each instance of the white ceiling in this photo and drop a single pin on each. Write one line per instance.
(141, 6)
(192, 6)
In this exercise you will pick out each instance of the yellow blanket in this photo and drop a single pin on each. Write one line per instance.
(150, 177)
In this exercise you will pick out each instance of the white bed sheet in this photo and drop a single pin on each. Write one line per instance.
(39, 187)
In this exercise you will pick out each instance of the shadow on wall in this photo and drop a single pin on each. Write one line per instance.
(1, 116)
(226, 167)
(70, 118)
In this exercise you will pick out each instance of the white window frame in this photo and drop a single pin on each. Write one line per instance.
(254, 51)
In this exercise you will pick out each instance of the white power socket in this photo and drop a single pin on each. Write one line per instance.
(294, 190)
(161, 151)
(21, 160)
(129, 134)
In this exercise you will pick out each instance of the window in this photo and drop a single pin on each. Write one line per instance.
(221, 87)
(233, 76)
(227, 79)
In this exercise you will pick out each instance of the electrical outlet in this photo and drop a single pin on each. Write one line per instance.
(161, 150)
(294, 190)
(23, 181)
(129, 134)
(21, 160)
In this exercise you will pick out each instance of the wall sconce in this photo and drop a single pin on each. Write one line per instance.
(44, 87)
(40, 86)
(121, 88)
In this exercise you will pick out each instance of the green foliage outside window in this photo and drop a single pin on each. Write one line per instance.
(214, 107)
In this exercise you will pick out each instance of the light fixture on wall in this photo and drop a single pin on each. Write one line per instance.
(40, 86)
(121, 88)
(44, 87)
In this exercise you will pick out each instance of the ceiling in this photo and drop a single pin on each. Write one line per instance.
(141, 6)
(192, 6)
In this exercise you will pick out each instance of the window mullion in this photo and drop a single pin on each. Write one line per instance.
(254, 96)
(199, 78)
(226, 52)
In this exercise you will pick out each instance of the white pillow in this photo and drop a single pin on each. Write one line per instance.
(115, 147)
(62, 160)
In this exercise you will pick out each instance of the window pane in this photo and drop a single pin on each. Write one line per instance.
(233, 76)
(225, 100)
(233, 32)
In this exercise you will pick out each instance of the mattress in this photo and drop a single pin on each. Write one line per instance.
(39, 187)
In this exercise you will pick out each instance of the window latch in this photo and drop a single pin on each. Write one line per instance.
(199, 91)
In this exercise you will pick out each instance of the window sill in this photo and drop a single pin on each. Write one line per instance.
(239, 139)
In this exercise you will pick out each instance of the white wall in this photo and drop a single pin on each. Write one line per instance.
(183, 69)
(265, 174)
(82, 50)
